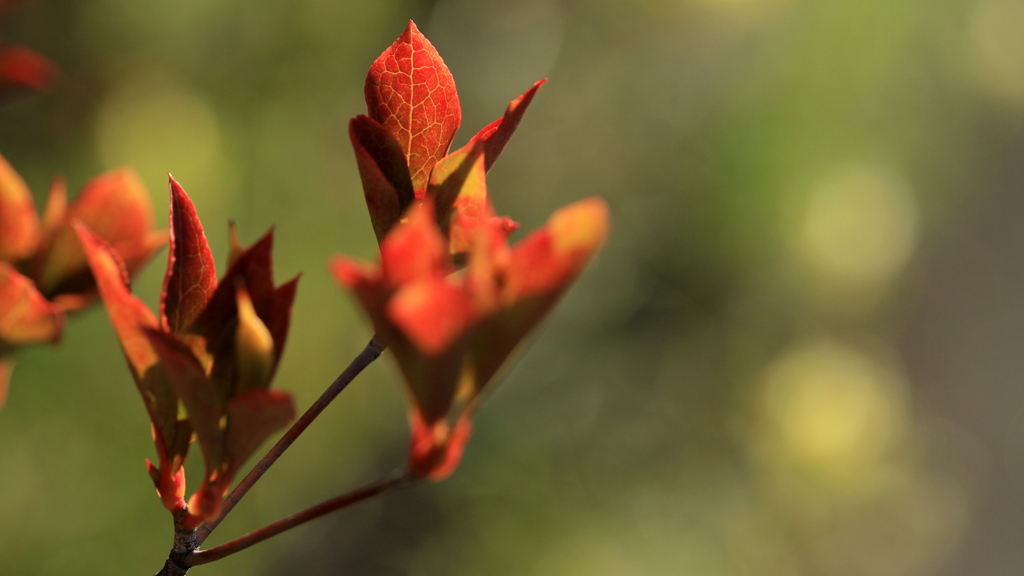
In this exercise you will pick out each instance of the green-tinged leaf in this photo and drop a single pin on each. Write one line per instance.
(254, 346)
(203, 402)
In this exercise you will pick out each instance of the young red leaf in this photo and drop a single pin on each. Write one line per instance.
(25, 315)
(19, 224)
(191, 274)
(450, 333)
(496, 135)
(131, 319)
(411, 92)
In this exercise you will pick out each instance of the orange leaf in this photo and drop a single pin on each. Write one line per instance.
(411, 92)
(25, 316)
(496, 135)
(19, 223)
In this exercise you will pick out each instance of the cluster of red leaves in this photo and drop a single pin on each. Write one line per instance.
(22, 68)
(450, 330)
(43, 271)
(214, 349)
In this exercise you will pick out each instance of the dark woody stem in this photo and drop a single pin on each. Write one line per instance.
(376, 488)
(372, 351)
(184, 544)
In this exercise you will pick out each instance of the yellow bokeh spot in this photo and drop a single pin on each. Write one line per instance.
(832, 409)
(159, 127)
(996, 47)
(858, 227)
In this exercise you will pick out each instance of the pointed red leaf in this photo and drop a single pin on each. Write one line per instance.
(387, 185)
(281, 317)
(254, 268)
(432, 313)
(19, 223)
(411, 92)
(25, 316)
(497, 134)
(130, 318)
(191, 275)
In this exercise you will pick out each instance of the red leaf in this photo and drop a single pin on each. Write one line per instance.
(117, 208)
(19, 224)
(24, 68)
(414, 250)
(411, 92)
(25, 316)
(432, 313)
(497, 134)
(387, 185)
(130, 319)
(191, 274)
(254, 268)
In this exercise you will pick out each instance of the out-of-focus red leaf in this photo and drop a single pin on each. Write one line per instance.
(116, 207)
(496, 135)
(191, 275)
(410, 91)
(387, 185)
(432, 313)
(25, 315)
(451, 333)
(130, 319)
(415, 250)
(24, 68)
(19, 223)
(542, 266)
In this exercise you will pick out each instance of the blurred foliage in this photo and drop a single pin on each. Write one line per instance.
(778, 365)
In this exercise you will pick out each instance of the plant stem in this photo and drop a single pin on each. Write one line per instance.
(184, 544)
(375, 488)
(372, 351)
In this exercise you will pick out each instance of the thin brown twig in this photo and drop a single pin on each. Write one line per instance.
(376, 488)
(372, 351)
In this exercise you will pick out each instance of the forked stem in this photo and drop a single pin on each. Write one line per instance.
(376, 488)
(372, 351)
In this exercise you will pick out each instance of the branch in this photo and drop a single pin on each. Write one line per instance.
(184, 544)
(375, 488)
(372, 351)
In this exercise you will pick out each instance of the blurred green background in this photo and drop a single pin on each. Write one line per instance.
(800, 352)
